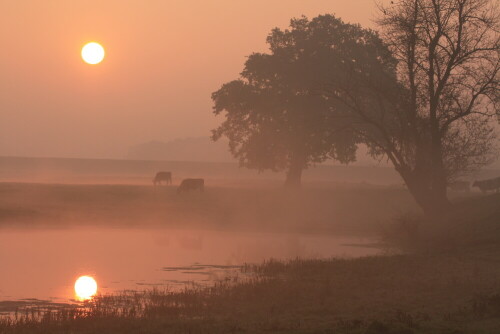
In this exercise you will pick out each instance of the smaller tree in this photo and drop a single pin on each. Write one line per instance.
(274, 117)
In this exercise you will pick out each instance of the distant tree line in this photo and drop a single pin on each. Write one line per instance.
(422, 93)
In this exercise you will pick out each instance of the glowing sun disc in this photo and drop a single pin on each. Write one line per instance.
(85, 287)
(92, 53)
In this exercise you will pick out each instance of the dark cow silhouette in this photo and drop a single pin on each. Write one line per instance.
(163, 177)
(191, 184)
(460, 186)
(488, 185)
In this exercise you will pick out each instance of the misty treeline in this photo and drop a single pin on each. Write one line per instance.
(422, 92)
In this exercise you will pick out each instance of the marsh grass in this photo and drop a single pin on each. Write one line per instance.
(442, 293)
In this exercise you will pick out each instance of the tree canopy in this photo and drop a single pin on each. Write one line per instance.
(275, 116)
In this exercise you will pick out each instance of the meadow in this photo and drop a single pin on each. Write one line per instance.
(332, 210)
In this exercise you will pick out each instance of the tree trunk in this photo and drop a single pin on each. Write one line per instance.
(439, 180)
(294, 173)
(433, 201)
(427, 181)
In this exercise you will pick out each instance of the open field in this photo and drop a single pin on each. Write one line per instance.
(141, 172)
(348, 209)
(108, 171)
(61, 192)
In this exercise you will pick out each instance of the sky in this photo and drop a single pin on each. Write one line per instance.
(163, 60)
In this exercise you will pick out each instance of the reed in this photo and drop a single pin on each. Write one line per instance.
(444, 293)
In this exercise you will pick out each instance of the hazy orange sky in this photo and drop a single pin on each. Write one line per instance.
(164, 58)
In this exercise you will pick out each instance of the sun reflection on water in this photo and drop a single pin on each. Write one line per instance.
(85, 288)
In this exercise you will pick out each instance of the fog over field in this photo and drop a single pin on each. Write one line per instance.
(250, 166)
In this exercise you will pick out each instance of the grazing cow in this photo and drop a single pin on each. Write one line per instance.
(488, 185)
(191, 184)
(162, 176)
(460, 186)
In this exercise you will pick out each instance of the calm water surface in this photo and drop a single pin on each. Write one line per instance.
(44, 264)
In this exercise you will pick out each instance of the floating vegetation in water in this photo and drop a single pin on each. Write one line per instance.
(197, 266)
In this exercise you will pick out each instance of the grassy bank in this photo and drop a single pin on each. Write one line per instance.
(446, 293)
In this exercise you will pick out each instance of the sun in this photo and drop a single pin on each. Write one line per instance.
(92, 53)
(85, 287)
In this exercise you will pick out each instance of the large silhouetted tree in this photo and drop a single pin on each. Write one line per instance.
(275, 117)
(430, 110)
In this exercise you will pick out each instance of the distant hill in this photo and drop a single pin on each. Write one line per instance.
(185, 149)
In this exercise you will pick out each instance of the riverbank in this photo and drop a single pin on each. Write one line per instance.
(441, 293)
